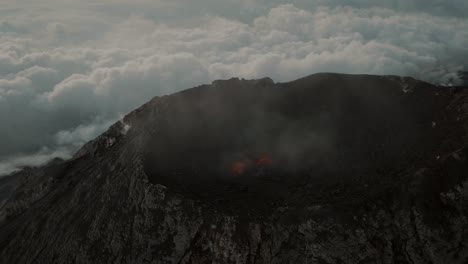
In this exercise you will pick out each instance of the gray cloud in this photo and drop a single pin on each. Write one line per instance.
(15, 163)
(68, 69)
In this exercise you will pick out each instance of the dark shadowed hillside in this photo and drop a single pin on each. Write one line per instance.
(330, 168)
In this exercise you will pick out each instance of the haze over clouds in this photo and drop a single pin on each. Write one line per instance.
(68, 70)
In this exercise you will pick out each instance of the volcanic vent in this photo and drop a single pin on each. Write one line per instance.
(246, 142)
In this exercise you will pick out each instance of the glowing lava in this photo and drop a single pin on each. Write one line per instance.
(263, 161)
(241, 167)
(238, 167)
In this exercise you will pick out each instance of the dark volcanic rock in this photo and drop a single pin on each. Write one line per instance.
(327, 169)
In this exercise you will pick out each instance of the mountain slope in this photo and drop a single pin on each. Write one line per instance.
(329, 168)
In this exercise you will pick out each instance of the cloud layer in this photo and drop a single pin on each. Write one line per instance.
(68, 70)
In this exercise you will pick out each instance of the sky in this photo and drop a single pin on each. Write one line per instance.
(69, 69)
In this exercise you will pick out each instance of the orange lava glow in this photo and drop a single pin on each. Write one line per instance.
(263, 161)
(238, 167)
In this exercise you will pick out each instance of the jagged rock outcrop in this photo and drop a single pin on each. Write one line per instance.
(364, 169)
